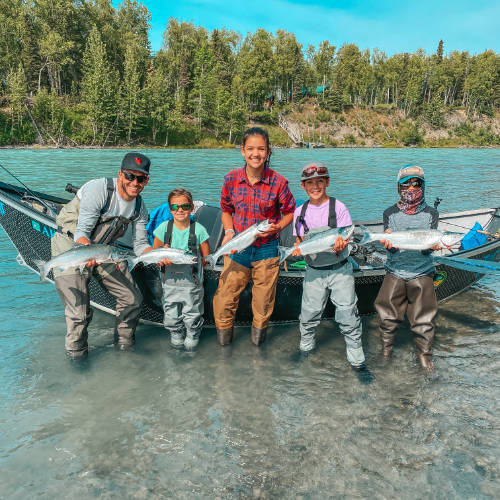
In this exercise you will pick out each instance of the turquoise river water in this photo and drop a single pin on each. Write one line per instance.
(242, 422)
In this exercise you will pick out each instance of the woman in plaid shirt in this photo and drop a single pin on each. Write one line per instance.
(251, 194)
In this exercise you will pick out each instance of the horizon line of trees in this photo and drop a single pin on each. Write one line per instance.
(83, 72)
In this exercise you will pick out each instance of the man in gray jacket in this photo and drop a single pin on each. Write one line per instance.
(101, 212)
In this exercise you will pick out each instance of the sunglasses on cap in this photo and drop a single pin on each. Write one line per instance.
(413, 183)
(141, 179)
(185, 206)
(313, 169)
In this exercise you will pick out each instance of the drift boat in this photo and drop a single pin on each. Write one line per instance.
(28, 218)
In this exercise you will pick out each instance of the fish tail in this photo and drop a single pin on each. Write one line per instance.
(131, 262)
(365, 235)
(43, 269)
(284, 253)
(211, 260)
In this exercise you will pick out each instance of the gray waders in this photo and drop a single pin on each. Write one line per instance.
(183, 296)
(329, 275)
(72, 285)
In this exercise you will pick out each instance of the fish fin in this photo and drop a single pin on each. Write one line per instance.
(42, 267)
(284, 253)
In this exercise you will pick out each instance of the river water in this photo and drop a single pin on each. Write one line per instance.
(241, 422)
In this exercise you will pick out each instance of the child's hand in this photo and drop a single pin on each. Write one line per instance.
(387, 243)
(339, 245)
(165, 262)
(166, 245)
(296, 251)
(436, 247)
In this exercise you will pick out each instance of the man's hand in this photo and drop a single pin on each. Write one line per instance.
(339, 245)
(275, 228)
(387, 243)
(82, 240)
(296, 251)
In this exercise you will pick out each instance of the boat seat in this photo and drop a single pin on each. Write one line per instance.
(211, 218)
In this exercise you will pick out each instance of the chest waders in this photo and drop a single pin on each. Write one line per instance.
(183, 294)
(73, 285)
(327, 278)
(324, 260)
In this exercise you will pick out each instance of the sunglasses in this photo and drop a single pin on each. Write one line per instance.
(185, 206)
(414, 183)
(313, 169)
(141, 179)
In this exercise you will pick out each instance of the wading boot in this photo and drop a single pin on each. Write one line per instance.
(225, 336)
(258, 335)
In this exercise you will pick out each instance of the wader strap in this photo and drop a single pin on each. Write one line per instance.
(192, 246)
(301, 220)
(110, 186)
(332, 214)
(137, 209)
(167, 238)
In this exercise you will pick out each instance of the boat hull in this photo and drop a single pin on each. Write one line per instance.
(31, 230)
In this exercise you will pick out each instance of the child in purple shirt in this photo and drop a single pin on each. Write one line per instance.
(329, 273)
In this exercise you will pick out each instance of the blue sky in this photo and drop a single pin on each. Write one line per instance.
(390, 25)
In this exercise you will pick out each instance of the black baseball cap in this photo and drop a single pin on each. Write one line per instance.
(136, 161)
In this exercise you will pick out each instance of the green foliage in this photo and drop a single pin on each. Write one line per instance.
(90, 76)
(411, 136)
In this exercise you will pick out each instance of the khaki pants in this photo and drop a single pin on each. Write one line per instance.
(233, 280)
(416, 298)
(73, 288)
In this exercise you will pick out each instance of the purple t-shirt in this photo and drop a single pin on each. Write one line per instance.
(317, 216)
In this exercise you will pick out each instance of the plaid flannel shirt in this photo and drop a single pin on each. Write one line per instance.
(269, 198)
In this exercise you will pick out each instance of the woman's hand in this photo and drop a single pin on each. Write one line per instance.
(275, 228)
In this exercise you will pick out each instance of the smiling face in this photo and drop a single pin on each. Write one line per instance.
(316, 189)
(180, 215)
(129, 190)
(255, 152)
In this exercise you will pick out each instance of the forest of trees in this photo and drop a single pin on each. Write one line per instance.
(82, 72)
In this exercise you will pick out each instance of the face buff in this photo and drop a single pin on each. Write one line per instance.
(411, 200)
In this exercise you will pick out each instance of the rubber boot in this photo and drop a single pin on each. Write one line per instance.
(225, 337)
(387, 340)
(258, 335)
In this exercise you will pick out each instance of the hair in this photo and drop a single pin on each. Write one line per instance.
(256, 131)
(181, 192)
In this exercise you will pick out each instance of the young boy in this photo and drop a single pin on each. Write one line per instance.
(330, 273)
(182, 284)
(408, 286)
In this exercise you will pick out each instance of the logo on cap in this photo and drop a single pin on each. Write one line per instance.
(138, 160)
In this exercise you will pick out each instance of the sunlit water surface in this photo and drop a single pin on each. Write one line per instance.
(242, 422)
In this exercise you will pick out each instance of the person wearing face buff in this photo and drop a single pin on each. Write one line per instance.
(408, 286)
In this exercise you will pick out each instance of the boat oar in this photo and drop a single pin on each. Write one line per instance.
(471, 265)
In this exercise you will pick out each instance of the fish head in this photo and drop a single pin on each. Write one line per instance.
(264, 226)
(346, 232)
(450, 238)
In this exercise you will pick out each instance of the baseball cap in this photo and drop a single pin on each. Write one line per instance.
(314, 169)
(136, 161)
(410, 171)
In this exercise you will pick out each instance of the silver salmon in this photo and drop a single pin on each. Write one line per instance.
(79, 256)
(240, 241)
(320, 242)
(413, 239)
(176, 255)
